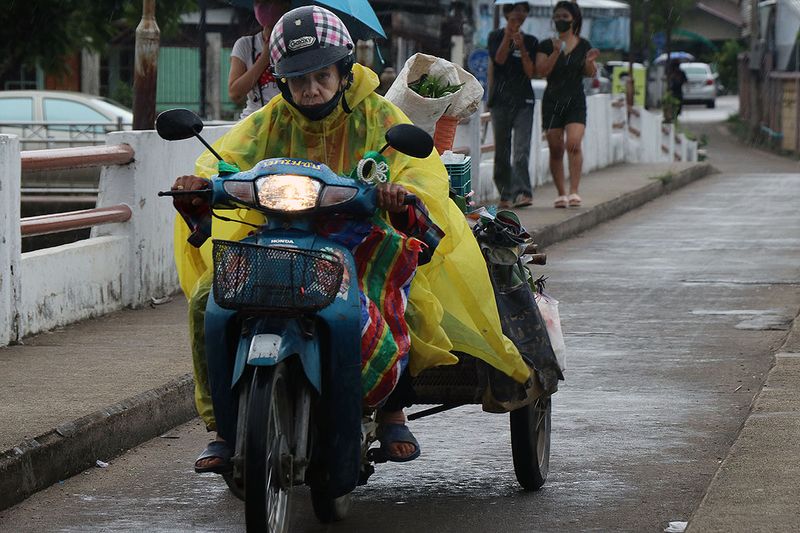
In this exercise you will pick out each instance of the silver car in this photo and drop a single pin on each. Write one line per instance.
(701, 86)
(55, 119)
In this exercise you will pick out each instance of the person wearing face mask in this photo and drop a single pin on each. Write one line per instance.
(250, 78)
(328, 112)
(565, 60)
(511, 100)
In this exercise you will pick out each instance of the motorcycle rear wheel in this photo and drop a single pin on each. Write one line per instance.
(530, 442)
(267, 461)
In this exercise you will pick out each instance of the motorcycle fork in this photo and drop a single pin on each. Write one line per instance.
(302, 425)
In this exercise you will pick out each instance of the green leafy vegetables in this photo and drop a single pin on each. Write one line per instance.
(433, 87)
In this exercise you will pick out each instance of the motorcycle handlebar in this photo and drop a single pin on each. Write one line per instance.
(182, 193)
(410, 199)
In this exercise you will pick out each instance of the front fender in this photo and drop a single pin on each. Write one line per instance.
(268, 343)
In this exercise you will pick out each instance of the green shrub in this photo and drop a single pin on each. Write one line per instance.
(728, 64)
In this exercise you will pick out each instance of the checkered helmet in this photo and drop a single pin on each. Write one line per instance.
(306, 39)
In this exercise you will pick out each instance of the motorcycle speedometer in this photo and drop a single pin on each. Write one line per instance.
(287, 192)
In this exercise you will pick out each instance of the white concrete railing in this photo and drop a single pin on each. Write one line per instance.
(121, 265)
(125, 264)
(609, 139)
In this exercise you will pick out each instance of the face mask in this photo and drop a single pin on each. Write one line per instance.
(320, 111)
(563, 25)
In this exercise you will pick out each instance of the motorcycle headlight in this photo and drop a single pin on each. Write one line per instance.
(287, 192)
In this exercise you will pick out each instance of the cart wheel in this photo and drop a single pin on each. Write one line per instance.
(329, 509)
(530, 443)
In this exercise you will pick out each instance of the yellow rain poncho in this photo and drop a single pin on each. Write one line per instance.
(450, 304)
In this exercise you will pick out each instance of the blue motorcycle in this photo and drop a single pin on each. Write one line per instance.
(295, 298)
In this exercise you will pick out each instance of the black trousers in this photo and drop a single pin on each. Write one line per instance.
(403, 394)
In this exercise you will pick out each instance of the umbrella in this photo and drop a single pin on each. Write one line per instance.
(680, 56)
(357, 15)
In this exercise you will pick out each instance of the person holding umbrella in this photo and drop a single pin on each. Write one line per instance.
(250, 79)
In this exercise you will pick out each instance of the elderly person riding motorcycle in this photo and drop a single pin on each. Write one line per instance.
(328, 112)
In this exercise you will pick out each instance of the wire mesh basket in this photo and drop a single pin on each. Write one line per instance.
(274, 279)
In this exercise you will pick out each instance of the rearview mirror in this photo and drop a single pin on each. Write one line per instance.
(410, 140)
(178, 124)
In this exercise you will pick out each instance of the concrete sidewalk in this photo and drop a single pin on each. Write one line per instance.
(756, 487)
(94, 389)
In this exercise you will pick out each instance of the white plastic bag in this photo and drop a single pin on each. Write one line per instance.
(548, 307)
(424, 112)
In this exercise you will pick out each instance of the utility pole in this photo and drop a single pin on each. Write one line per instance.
(203, 55)
(146, 68)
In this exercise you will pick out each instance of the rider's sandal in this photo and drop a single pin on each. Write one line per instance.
(574, 200)
(216, 449)
(560, 203)
(391, 434)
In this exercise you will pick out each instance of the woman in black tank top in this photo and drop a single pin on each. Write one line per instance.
(565, 61)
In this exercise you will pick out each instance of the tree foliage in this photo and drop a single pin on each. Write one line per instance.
(44, 32)
(728, 64)
(662, 16)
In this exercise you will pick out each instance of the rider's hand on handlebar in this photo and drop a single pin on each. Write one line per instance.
(190, 183)
(391, 197)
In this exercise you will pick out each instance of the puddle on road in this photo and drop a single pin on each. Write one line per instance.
(735, 282)
(766, 323)
(757, 319)
(738, 312)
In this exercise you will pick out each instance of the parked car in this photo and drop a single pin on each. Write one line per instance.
(45, 119)
(701, 86)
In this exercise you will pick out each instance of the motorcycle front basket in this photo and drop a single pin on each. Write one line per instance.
(251, 277)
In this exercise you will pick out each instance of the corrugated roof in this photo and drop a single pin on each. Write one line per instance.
(722, 9)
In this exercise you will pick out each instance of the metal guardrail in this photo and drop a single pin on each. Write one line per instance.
(65, 158)
(58, 133)
(72, 220)
(78, 157)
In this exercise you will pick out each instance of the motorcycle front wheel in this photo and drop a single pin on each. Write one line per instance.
(530, 442)
(267, 459)
(329, 509)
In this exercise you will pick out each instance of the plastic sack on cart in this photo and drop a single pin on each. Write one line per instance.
(425, 112)
(502, 239)
(548, 308)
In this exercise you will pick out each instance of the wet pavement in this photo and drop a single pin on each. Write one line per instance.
(694, 113)
(671, 315)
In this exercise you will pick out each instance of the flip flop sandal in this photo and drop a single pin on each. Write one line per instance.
(574, 200)
(560, 203)
(217, 450)
(391, 434)
(523, 201)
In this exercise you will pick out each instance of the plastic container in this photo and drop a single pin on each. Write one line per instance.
(460, 176)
